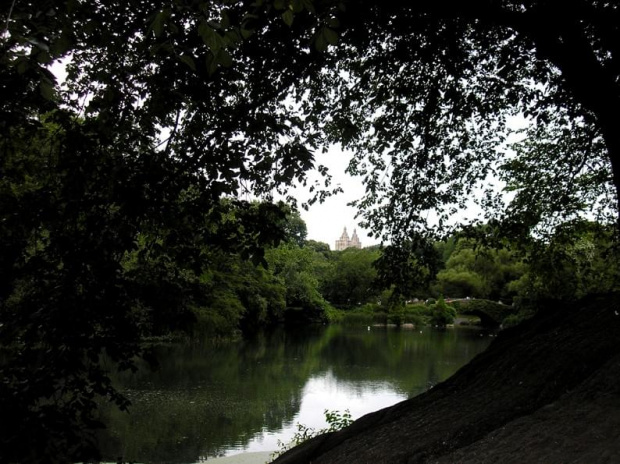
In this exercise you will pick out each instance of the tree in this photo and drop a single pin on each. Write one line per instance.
(296, 230)
(580, 259)
(101, 185)
(442, 314)
(296, 269)
(352, 277)
(319, 247)
(237, 296)
(479, 271)
(461, 283)
(168, 107)
(430, 91)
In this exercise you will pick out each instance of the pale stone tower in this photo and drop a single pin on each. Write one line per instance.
(355, 241)
(343, 241)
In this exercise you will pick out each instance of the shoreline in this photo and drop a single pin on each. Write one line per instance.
(256, 457)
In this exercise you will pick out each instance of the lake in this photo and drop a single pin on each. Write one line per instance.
(205, 400)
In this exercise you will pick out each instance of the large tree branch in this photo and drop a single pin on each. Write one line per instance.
(563, 33)
(564, 44)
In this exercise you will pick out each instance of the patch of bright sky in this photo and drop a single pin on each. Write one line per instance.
(325, 221)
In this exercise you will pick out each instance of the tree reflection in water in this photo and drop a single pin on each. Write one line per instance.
(207, 400)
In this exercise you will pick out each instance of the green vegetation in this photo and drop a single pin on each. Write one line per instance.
(335, 420)
(124, 190)
(479, 271)
(351, 278)
(442, 314)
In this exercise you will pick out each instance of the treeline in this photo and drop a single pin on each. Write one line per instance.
(304, 281)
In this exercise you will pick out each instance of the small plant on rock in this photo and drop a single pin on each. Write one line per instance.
(335, 421)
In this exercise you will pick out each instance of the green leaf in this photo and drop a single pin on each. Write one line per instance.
(333, 22)
(246, 33)
(225, 19)
(324, 38)
(309, 5)
(61, 45)
(224, 58)
(189, 61)
(297, 6)
(211, 65)
(288, 17)
(331, 36)
(157, 26)
(46, 87)
(210, 37)
(22, 65)
(320, 43)
(40, 45)
(232, 37)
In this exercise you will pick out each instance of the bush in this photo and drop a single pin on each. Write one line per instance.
(334, 419)
(396, 318)
(516, 319)
(442, 314)
(334, 315)
(370, 314)
(357, 317)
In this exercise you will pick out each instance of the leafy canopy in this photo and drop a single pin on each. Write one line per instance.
(170, 106)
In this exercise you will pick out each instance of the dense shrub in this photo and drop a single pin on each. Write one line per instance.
(442, 313)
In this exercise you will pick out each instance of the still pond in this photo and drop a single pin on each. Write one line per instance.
(207, 401)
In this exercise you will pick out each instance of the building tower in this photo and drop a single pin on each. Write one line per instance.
(355, 241)
(343, 241)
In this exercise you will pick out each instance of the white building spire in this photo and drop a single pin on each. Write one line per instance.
(344, 242)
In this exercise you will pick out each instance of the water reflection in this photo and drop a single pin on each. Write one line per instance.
(207, 401)
(322, 392)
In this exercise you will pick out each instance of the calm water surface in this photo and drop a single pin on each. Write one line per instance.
(207, 401)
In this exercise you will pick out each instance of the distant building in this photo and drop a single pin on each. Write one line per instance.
(345, 242)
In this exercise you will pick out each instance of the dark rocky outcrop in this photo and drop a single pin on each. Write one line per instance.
(547, 390)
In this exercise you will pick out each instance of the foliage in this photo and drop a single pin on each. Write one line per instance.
(237, 296)
(580, 259)
(319, 247)
(296, 269)
(442, 314)
(351, 277)
(461, 283)
(334, 419)
(475, 270)
(295, 229)
(334, 315)
(378, 314)
(432, 91)
(361, 317)
(408, 268)
(222, 99)
(516, 319)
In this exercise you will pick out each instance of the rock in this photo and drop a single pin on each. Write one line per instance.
(544, 391)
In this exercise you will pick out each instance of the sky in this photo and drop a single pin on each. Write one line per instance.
(325, 221)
